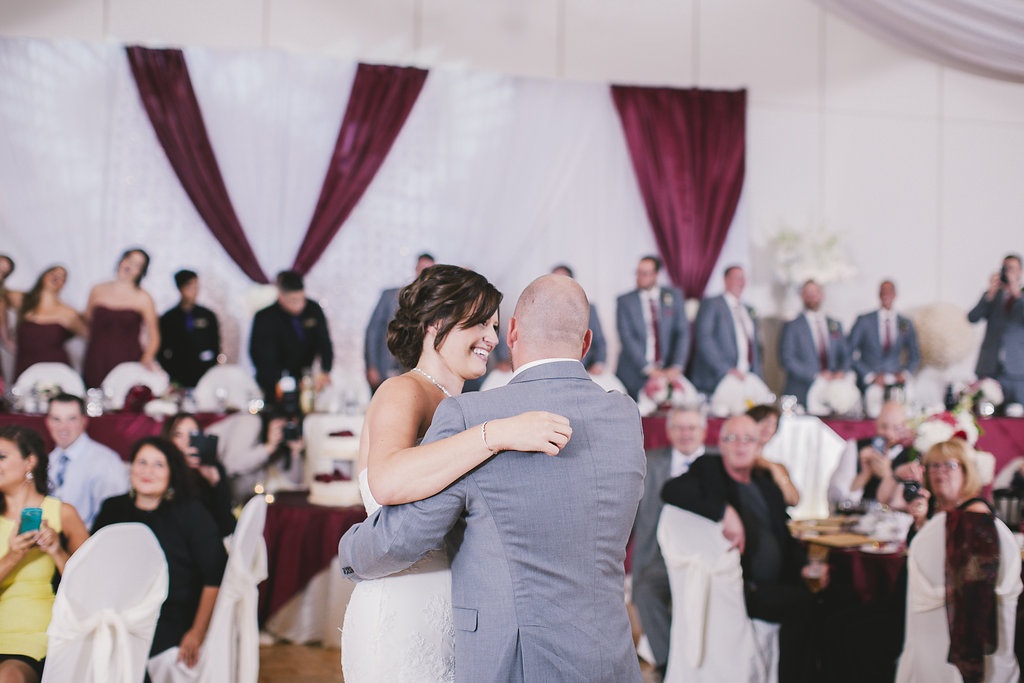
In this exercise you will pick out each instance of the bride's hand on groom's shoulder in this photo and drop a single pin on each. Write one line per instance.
(535, 431)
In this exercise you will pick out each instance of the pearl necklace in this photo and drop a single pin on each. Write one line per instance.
(434, 382)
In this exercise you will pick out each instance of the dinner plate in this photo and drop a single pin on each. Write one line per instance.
(880, 548)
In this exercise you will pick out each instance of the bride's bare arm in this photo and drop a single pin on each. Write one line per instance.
(399, 472)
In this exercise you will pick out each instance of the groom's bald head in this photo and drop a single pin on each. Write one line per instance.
(551, 320)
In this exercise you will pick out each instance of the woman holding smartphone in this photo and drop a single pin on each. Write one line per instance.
(31, 525)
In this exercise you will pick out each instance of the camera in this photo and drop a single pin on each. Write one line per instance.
(1002, 275)
(292, 430)
(911, 489)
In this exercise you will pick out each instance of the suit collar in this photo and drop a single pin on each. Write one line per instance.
(550, 368)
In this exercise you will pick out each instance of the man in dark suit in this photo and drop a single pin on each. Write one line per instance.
(654, 333)
(380, 364)
(1002, 350)
(725, 336)
(598, 354)
(811, 345)
(537, 543)
(753, 514)
(288, 336)
(189, 334)
(686, 429)
(883, 344)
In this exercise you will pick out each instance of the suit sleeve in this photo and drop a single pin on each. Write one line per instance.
(789, 356)
(680, 331)
(375, 330)
(913, 350)
(982, 309)
(854, 342)
(397, 536)
(262, 352)
(704, 328)
(842, 350)
(701, 490)
(598, 346)
(324, 347)
(633, 345)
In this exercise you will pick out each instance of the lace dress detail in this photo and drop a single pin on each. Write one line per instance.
(399, 628)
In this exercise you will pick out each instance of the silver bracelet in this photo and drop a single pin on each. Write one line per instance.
(483, 435)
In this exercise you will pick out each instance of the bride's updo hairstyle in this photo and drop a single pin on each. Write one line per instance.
(446, 296)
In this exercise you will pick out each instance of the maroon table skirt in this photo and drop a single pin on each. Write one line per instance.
(302, 539)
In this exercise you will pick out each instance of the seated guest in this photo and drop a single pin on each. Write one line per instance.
(811, 345)
(82, 472)
(209, 481)
(728, 488)
(45, 323)
(725, 336)
(28, 560)
(189, 334)
(767, 419)
(951, 482)
(865, 469)
(686, 429)
(161, 498)
(883, 344)
(117, 312)
(264, 450)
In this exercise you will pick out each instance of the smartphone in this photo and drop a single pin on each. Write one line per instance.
(31, 520)
(206, 447)
(879, 443)
(1003, 277)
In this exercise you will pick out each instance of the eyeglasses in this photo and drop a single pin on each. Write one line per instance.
(736, 438)
(949, 465)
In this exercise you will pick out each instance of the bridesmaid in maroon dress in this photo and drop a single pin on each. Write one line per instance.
(117, 312)
(45, 322)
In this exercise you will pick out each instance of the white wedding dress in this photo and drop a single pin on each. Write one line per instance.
(399, 628)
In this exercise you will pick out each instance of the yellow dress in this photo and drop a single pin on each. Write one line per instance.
(26, 593)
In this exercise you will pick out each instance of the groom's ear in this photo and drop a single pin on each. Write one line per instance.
(512, 336)
(588, 339)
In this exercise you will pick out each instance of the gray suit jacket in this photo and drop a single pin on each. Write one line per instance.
(537, 542)
(996, 317)
(798, 354)
(673, 330)
(867, 351)
(375, 343)
(715, 348)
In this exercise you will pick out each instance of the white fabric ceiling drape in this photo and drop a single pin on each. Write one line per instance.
(981, 36)
(506, 175)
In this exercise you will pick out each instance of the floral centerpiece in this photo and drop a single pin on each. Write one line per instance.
(660, 394)
(958, 423)
(815, 255)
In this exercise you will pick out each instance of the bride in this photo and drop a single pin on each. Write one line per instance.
(399, 628)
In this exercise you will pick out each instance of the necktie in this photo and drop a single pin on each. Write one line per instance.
(653, 305)
(1008, 304)
(822, 343)
(887, 341)
(62, 467)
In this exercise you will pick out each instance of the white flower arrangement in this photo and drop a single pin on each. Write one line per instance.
(958, 423)
(817, 255)
(659, 393)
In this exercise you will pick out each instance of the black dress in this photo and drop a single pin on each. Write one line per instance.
(195, 558)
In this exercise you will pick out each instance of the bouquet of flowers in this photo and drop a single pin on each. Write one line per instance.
(660, 394)
(958, 423)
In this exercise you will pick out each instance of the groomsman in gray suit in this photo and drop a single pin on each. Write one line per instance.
(686, 429)
(883, 344)
(380, 364)
(811, 345)
(654, 333)
(537, 542)
(725, 334)
(1002, 349)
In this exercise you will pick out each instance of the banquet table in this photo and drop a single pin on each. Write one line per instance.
(119, 430)
(304, 598)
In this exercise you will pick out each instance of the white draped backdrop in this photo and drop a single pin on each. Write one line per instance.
(503, 174)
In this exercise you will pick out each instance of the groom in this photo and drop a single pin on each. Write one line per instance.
(537, 542)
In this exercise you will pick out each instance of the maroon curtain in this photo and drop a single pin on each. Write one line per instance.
(381, 99)
(166, 92)
(688, 151)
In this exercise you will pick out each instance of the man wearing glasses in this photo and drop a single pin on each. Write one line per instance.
(752, 511)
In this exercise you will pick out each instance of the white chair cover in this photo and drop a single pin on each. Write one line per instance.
(231, 651)
(57, 374)
(236, 383)
(106, 608)
(712, 638)
(927, 641)
(123, 377)
(733, 396)
(834, 396)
